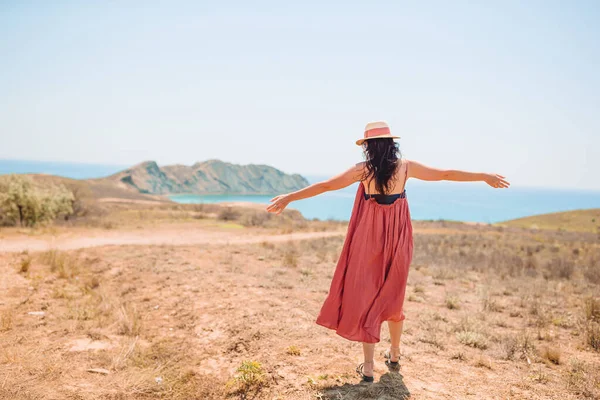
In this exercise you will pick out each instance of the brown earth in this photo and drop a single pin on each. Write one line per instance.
(199, 310)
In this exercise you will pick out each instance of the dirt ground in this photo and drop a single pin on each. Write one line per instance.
(195, 312)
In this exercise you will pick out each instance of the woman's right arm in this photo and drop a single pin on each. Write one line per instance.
(346, 178)
(425, 173)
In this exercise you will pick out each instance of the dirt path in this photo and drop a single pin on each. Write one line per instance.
(176, 237)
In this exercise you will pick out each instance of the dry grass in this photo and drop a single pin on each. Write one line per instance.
(7, 318)
(130, 321)
(249, 378)
(178, 322)
(583, 379)
(24, 264)
(452, 302)
(293, 350)
(551, 354)
(472, 332)
(290, 257)
(579, 221)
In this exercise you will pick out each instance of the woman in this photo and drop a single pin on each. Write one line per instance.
(369, 283)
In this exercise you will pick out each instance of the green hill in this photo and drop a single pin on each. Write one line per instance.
(578, 220)
(208, 177)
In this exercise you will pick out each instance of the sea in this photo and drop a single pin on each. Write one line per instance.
(468, 202)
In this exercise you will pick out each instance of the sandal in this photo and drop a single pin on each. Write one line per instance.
(388, 358)
(360, 372)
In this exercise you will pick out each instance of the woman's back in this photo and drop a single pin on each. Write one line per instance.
(396, 185)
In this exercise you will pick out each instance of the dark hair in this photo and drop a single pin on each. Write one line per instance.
(382, 161)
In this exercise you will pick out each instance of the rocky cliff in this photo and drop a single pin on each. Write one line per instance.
(208, 177)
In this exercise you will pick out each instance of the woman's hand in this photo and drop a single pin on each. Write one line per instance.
(279, 203)
(496, 181)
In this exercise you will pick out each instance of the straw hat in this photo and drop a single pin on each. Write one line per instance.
(376, 130)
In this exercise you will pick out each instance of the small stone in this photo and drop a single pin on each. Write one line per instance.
(156, 307)
(37, 313)
(261, 258)
(99, 371)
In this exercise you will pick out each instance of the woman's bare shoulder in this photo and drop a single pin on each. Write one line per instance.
(359, 170)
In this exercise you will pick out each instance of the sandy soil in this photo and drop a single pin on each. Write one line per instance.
(173, 313)
(155, 237)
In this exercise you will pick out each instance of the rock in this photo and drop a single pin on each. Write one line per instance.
(86, 344)
(37, 313)
(99, 371)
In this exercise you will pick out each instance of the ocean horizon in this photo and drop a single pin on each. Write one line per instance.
(468, 202)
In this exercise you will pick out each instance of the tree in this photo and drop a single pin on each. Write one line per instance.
(23, 203)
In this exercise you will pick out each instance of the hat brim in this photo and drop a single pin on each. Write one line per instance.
(359, 142)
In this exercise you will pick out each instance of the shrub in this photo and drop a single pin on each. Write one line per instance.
(490, 304)
(509, 346)
(592, 335)
(551, 354)
(559, 268)
(470, 333)
(257, 219)
(592, 309)
(592, 273)
(583, 379)
(25, 264)
(452, 303)
(249, 376)
(80, 202)
(60, 263)
(290, 258)
(25, 204)
(228, 214)
(472, 339)
(6, 320)
(130, 321)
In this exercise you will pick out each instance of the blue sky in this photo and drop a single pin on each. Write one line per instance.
(498, 86)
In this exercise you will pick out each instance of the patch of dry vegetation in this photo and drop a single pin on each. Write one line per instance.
(577, 221)
(237, 321)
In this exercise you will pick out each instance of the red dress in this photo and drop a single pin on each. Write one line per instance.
(369, 282)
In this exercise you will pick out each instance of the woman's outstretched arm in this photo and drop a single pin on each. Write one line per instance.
(340, 181)
(425, 173)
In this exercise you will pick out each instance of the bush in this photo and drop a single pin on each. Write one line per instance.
(472, 339)
(257, 219)
(452, 303)
(559, 268)
(25, 264)
(551, 354)
(592, 272)
(250, 377)
(228, 214)
(591, 309)
(592, 335)
(21, 202)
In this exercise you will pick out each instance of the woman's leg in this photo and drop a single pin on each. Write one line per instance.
(395, 334)
(369, 353)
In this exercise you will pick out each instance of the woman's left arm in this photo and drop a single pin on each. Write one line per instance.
(346, 178)
(425, 173)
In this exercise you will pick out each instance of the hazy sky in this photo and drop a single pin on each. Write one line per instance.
(499, 86)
